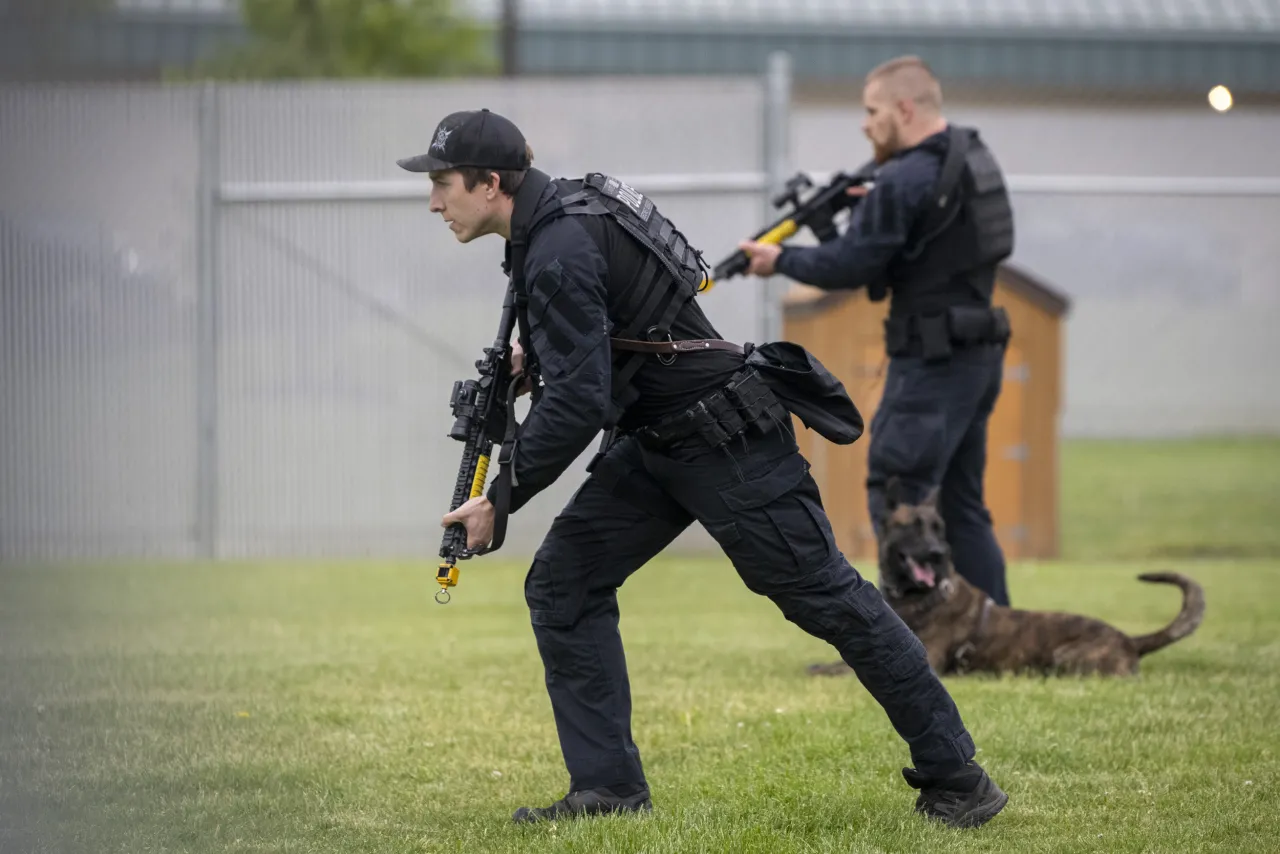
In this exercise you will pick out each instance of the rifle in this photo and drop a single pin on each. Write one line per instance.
(817, 212)
(480, 422)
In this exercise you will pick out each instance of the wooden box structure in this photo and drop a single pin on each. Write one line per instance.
(845, 331)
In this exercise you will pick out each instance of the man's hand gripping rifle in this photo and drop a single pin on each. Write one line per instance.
(818, 212)
(484, 416)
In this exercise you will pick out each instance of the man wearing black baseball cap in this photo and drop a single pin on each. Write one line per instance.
(695, 429)
(465, 149)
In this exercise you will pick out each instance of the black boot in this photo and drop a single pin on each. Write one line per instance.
(589, 802)
(968, 799)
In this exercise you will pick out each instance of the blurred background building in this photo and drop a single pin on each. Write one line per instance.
(1101, 48)
(230, 326)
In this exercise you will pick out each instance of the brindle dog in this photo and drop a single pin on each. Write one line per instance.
(963, 631)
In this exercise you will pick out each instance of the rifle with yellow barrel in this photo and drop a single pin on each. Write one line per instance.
(484, 416)
(818, 213)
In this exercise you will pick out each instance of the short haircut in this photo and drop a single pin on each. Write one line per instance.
(909, 78)
(509, 180)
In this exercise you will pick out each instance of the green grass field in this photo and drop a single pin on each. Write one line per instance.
(336, 708)
(1209, 498)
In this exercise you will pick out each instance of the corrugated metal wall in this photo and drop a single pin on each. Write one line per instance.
(272, 377)
(97, 321)
(184, 372)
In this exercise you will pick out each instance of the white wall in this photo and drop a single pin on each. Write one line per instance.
(1176, 299)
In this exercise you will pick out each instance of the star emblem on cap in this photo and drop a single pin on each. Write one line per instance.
(442, 136)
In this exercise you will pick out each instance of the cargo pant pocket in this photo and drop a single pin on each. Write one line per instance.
(908, 658)
(547, 604)
(776, 531)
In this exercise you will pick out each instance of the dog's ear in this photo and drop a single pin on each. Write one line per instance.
(931, 499)
(892, 493)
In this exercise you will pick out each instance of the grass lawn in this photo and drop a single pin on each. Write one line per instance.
(1215, 498)
(336, 708)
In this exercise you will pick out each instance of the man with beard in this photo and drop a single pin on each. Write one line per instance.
(932, 229)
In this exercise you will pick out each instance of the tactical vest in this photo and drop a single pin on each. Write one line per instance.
(966, 232)
(673, 273)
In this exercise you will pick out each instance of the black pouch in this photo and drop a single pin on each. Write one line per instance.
(719, 421)
(807, 389)
(970, 324)
(979, 324)
(1000, 328)
(751, 396)
(935, 337)
(897, 335)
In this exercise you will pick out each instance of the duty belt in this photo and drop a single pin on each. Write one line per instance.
(744, 402)
(933, 336)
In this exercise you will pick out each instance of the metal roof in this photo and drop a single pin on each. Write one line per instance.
(1113, 46)
(1193, 17)
(1134, 47)
(178, 5)
(1199, 17)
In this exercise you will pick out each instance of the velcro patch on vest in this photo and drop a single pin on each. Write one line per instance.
(640, 205)
(563, 329)
(882, 214)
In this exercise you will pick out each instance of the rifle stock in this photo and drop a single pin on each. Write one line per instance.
(480, 409)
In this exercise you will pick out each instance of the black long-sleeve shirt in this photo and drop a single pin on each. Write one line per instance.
(578, 269)
(880, 226)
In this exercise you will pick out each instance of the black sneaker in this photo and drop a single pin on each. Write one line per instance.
(968, 800)
(586, 803)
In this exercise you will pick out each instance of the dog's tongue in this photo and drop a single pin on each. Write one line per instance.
(923, 574)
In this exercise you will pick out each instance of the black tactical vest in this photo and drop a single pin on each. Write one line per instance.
(674, 270)
(967, 231)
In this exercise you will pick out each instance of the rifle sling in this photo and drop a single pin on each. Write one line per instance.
(501, 493)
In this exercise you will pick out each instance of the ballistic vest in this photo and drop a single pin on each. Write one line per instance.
(965, 233)
(674, 271)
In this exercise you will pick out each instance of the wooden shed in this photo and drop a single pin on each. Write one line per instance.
(845, 331)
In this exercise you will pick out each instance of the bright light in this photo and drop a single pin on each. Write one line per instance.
(1220, 98)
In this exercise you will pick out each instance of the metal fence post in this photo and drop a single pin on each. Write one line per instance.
(777, 131)
(206, 498)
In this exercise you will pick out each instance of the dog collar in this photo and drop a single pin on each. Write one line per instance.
(961, 655)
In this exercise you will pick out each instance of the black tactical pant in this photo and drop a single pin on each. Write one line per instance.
(756, 497)
(931, 430)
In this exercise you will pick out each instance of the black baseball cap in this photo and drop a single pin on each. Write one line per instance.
(472, 138)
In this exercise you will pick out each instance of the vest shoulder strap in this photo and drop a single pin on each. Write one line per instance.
(524, 206)
(944, 205)
(673, 270)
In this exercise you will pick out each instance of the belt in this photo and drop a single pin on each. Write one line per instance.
(933, 336)
(694, 345)
(743, 402)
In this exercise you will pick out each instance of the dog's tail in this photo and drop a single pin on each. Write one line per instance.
(1188, 618)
